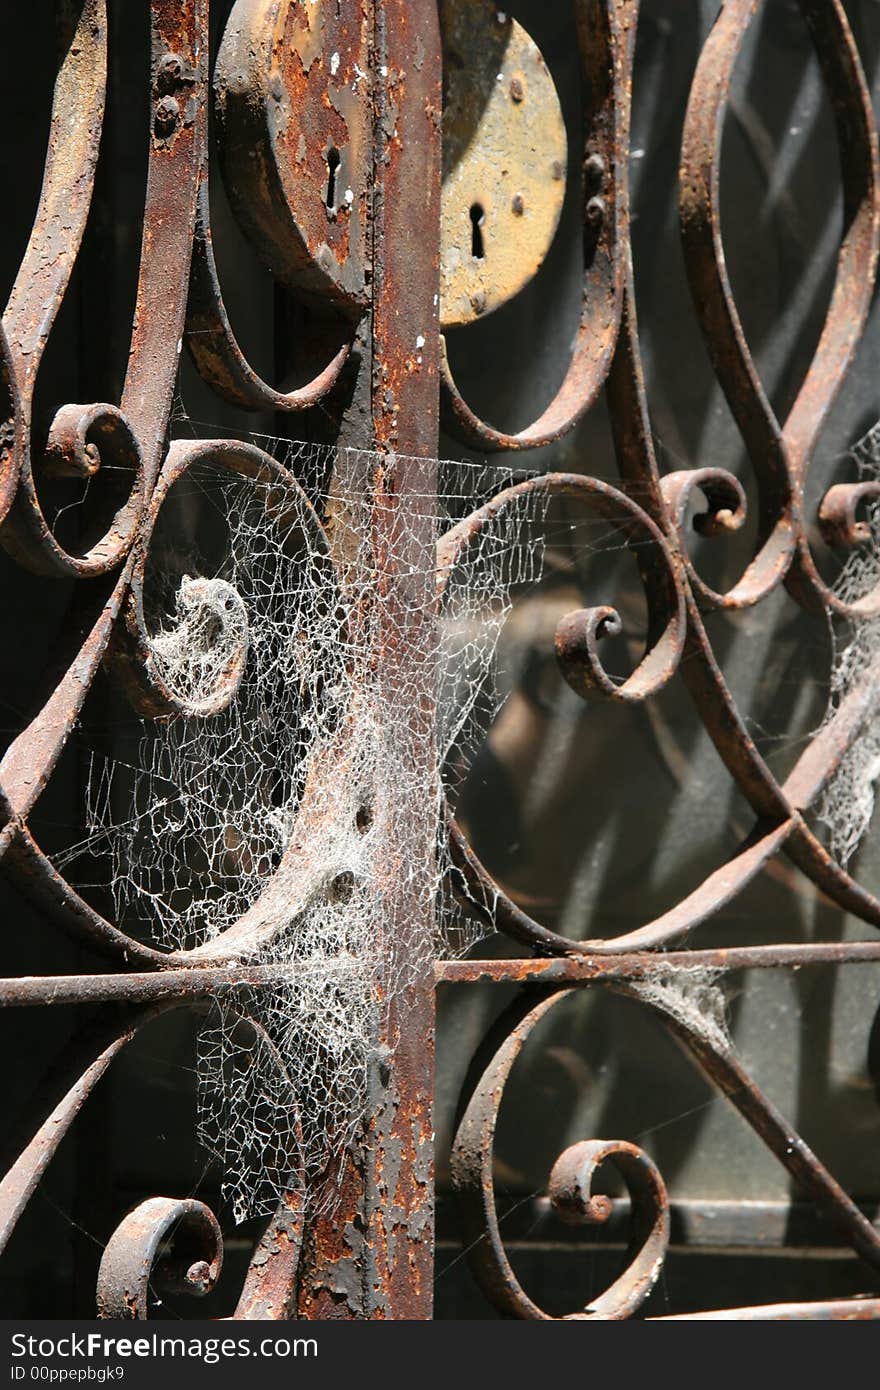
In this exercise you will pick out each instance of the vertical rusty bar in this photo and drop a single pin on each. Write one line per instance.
(373, 1256)
(405, 413)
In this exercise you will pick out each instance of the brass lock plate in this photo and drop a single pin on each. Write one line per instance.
(504, 160)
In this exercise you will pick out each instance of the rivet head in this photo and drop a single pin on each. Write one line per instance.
(166, 116)
(596, 212)
(558, 170)
(517, 87)
(518, 205)
(169, 72)
(594, 168)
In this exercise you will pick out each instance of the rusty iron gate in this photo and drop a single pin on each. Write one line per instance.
(328, 118)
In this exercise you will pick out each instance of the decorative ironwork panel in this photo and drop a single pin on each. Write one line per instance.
(278, 653)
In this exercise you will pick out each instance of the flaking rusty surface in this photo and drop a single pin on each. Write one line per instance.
(134, 1264)
(373, 1259)
(292, 97)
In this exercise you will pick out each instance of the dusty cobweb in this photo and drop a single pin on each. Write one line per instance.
(257, 830)
(846, 805)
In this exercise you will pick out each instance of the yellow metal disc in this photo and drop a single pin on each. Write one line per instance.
(504, 160)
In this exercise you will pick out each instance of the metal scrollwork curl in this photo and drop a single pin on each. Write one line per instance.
(579, 633)
(577, 640)
(168, 1243)
(133, 653)
(569, 1188)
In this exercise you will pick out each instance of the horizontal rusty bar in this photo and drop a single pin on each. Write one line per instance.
(833, 1310)
(575, 970)
(197, 983)
(138, 987)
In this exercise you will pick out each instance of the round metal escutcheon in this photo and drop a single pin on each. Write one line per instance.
(292, 95)
(504, 160)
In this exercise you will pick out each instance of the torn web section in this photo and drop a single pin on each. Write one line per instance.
(479, 581)
(283, 1110)
(846, 805)
(284, 1090)
(692, 997)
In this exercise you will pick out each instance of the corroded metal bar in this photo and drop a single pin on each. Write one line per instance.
(691, 1015)
(585, 969)
(373, 1257)
(55, 1108)
(192, 982)
(606, 31)
(831, 1310)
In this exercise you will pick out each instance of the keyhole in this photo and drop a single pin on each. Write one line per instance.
(332, 166)
(478, 217)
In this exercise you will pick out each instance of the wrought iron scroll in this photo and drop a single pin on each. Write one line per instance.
(386, 284)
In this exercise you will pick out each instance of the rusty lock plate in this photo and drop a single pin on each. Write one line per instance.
(292, 100)
(504, 160)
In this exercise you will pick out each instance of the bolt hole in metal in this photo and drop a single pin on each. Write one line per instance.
(333, 161)
(478, 218)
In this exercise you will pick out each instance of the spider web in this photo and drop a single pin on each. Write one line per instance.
(846, 805)
(279, 827)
